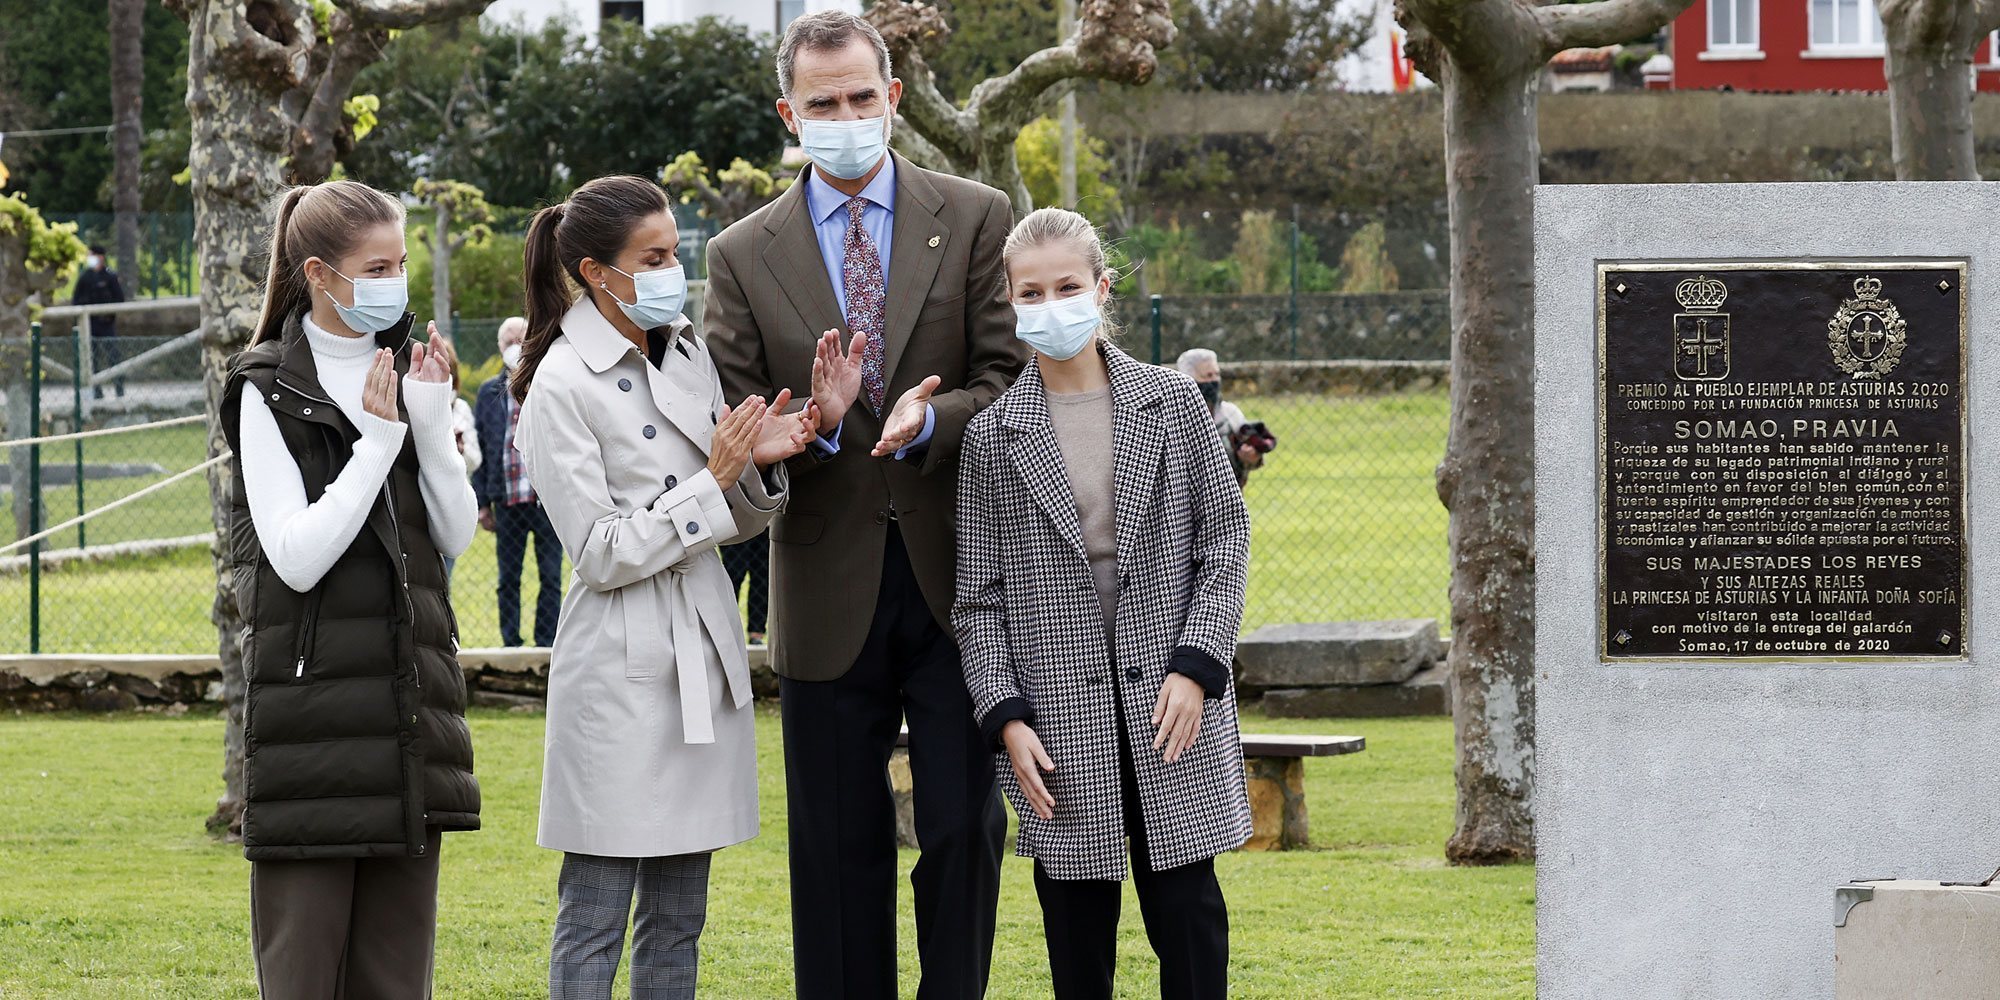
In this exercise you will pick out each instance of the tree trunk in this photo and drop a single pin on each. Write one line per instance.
(239, 146)
(441, 250)
(1929, 67)
(127, 71)
(1487, 477)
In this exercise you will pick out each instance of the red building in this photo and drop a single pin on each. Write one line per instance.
(1790, 45)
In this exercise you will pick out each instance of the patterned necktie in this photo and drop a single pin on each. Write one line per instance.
(861, 274)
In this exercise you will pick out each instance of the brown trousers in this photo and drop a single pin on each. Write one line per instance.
(345, 928)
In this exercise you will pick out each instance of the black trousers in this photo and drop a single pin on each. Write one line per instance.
(1186, 919)
(838, 736)
(751, 559)
(105, 351)
(513, 525)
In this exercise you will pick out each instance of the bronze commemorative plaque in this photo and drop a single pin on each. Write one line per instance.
(1781, 472)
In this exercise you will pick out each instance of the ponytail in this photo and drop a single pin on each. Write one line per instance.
(285, 289)
(315, 220)
(548, 297)
(595, 222)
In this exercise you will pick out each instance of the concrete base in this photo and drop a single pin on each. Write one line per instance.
(1916, 939)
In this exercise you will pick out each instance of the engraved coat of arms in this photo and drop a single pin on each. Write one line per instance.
(1701, 334)
(1868, 334)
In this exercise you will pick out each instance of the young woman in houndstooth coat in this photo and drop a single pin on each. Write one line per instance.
(1102, 550)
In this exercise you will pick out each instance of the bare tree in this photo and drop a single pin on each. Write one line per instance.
(460, 215)
(128, 21)
(1929, 64)
(268, 88)
(1116, 40)
(1488, 54)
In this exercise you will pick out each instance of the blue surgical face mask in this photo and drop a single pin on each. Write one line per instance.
(379, 303)
(847, 149)
(1059, 328)
(657, 296)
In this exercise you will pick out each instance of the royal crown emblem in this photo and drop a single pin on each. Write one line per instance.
(1868, 334)
(1701, 334)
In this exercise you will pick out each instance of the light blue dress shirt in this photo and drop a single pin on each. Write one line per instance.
(878, 218)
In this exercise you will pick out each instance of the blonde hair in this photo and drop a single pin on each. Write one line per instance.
(315, 220)
(1044, 226)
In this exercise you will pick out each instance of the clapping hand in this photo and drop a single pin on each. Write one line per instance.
(735, 438)
(427, 364)
(782, 435)
(378, 387)
(906, 421)
(836, 378)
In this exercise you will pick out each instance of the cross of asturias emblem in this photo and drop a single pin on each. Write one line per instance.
(1868, 334)
(1701, 334)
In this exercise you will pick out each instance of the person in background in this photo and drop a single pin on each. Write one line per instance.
(463, 433)
(1246, 441)
(99, 285)
(1101, 568)
(507, 504)
(751, 560)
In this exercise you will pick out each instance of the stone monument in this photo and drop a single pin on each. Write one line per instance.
(1765, 659)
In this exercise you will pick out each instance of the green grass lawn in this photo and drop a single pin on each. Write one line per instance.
(1345, 520)
(110, 889)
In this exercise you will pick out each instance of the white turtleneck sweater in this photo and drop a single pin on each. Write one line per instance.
(302, 540)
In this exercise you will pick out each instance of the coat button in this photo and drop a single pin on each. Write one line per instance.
(694, 528)
(624, 385)
(1131, 673)
(649, 432)
(672, 482)
(881, 517)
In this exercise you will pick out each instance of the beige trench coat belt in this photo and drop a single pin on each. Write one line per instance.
(644, 643)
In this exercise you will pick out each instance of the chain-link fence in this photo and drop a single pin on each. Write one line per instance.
(1346, 520)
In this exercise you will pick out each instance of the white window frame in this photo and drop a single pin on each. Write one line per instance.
(1870, 21)
(1736, 46)
(1993, 49)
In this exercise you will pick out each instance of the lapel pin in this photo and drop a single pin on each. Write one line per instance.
(934, 242)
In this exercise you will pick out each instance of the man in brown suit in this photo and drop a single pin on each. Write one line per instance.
(907, 262)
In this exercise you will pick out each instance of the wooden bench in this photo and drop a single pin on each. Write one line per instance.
(1273, 765)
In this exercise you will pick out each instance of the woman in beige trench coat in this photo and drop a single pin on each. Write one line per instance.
(650, 760)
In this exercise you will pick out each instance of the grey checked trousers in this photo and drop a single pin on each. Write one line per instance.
(595, 898)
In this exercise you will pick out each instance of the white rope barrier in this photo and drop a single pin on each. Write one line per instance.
(115, 504)
(103, 431)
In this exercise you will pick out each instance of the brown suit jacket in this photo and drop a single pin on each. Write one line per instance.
(947, 315)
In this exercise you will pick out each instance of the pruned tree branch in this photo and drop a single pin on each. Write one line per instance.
(322, 134)
(1605, 22)
(1116, 40)
(1458, 25)
(397, 15)
(929, 112)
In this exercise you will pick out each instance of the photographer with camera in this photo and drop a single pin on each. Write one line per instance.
(1248, 440)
